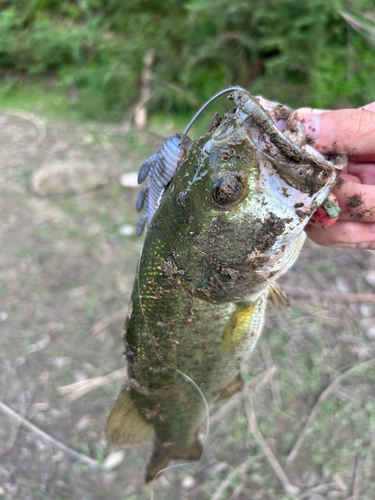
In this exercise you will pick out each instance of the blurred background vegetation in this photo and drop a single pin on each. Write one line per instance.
(70, 251)
(88, 54)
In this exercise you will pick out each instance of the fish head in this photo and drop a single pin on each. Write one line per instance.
(243, 197)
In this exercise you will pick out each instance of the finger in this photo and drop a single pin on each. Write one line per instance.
(344, 234)
(347, 131)
(357, 201)
(363, 172)
(321, 218)
(351, 178)
(369, 107)
(367, 158)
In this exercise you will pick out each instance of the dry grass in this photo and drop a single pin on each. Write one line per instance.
(66, 277)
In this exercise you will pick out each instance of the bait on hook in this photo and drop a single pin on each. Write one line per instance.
(161, 167)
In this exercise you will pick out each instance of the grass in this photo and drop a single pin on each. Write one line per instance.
(43, 99)
(50, 101)
(53, 102)
(308, 353)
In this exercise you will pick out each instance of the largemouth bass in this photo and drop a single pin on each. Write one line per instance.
(229, 223)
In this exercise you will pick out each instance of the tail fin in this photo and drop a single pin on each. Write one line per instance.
(126, 425)
(163, 453)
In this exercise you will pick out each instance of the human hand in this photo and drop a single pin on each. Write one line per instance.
(350, 132)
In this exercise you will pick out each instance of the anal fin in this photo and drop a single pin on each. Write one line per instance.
(126, 426)
(164, 452)
(234, 386)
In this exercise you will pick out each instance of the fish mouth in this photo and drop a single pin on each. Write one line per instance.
(288, 151)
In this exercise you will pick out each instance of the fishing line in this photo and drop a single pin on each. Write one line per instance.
(186, 377)
(225, 91)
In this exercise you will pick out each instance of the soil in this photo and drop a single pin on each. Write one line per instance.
(339, 182)
(281, 112)
(67, 268)
(354, 201)
(269, 231)
(215, 122)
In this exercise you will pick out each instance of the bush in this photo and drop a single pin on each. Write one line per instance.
(288, 50)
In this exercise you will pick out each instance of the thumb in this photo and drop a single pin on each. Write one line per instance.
(346, 131)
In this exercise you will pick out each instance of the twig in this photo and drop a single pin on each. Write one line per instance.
(238, 471)
(158, 134)
(290, 488)
(25, 405)
(139, 105)
(109, 320)
(78, 389)
(365, 30)
(111, 150)
(219, 414)
(352, 297)
(357, 479)
(265, 379)
(270, 365)
(323, 396)
(237, 491)
(90, 461)
(140, 116)
(223, 410)
(30, 117)
(316, 489)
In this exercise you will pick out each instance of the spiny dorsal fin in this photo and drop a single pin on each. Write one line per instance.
(126, 426)
(278, 303)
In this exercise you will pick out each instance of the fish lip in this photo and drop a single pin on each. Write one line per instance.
(297, 166)
(250, 106)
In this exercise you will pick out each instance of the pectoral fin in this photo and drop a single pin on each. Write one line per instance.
(243, 323)
(278, 303)
(126, 426)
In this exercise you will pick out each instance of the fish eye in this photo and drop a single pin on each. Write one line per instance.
(227, 189)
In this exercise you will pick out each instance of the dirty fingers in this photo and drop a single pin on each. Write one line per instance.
(350, 132)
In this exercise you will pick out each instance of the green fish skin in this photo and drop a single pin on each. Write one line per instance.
(230, 223)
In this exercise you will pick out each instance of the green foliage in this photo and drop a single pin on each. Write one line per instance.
(288, 50)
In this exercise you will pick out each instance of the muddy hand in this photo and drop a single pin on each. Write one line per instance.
(351, 132)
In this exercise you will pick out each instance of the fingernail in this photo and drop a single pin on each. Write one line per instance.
(372, 228)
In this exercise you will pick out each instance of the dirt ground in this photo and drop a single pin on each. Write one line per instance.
(67, 266)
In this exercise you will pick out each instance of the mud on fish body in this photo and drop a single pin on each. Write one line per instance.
(225, 216)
